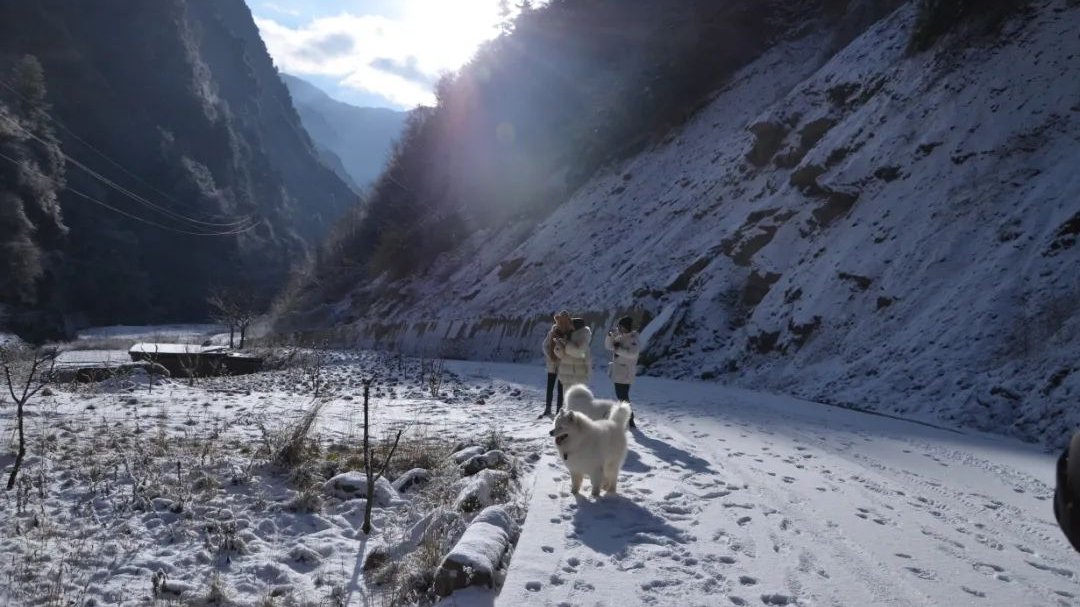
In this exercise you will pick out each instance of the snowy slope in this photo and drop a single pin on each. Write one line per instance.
(867, 227)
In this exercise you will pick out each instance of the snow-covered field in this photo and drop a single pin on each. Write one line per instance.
(733, 497)
(136, 494)
(728, 497)
(177, 332)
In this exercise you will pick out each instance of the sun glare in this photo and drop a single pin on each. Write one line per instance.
(448, 33)
(397, 55)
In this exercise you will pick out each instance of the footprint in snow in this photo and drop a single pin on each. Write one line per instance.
(1052, 569)
(988, 568)
(659, 584)
(583, 586)
(925, 574)
(743, 521)
(973, 592)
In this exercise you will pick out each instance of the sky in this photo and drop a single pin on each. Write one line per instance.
(376, 53)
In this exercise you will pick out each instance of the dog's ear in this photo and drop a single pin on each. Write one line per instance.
(571, 418)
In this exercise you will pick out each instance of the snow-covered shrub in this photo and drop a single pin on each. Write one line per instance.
(468, 453)
(406, 571)
(353, 485)
(494, 439)
(217, 593)
(478, 555)
(485, 488)
(291, 446)
(411, 479)
(491, 459)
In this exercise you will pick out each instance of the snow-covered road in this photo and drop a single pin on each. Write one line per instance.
(742, 498)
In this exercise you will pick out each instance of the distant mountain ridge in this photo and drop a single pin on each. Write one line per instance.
(353, 141)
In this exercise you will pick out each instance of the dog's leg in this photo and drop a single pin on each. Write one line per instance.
(575, 482)
(597, 479)
(611, 473)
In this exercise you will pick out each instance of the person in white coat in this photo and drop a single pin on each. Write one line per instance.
(622, 342)
(572, 350)
(552, 363)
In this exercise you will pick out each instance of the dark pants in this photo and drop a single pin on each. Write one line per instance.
(622, 392)
(553, 378)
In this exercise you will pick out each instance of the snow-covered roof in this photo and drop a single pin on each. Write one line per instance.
(155, 348)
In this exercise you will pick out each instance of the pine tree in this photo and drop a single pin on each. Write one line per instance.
(28, 78)
(30, 177)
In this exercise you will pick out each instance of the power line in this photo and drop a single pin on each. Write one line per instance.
(114, 163)
(125, 213)
(108, 182)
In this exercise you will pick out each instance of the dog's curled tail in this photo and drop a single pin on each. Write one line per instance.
(621, 415)
(579, 397)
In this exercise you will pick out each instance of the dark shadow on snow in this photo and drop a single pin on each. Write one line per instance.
(672, 455)
(612, 523)
(633, 463)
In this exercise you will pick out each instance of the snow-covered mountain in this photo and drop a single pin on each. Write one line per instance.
(867, 226)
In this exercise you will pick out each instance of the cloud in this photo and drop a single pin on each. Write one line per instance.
(277, 8)
(408, 69)
(399, 56)
(330, 47)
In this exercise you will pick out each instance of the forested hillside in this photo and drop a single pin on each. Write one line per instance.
(187, 169)
(575, 85)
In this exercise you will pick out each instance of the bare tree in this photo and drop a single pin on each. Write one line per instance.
(314, 367)
(234, 309)
(369, 466)
(26, 373)
(431, 375)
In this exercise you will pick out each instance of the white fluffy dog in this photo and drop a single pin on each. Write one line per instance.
(579, 398)
(591, 447)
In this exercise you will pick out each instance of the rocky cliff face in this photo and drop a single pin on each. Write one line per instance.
(178, 103)
(848, 222)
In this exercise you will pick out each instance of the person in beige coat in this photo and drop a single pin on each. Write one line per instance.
(552, 363)
(572, 350)
(622, 342)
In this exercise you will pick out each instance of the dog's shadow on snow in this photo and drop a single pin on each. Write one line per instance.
(612, 523)
(633, 463)
(671, 454)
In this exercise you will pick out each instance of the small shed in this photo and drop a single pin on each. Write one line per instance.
(187, 360)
